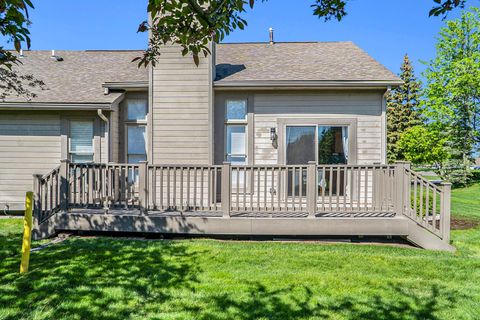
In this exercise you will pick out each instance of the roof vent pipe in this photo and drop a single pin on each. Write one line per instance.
(55, 57)
(270, 31)
(21, 53)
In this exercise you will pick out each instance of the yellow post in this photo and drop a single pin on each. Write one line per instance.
(27, 233)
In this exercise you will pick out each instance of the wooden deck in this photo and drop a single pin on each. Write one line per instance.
(313, 200)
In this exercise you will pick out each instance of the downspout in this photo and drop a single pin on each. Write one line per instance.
(107, 138)
(384, 124)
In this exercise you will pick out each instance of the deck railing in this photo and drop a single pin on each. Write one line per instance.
(231, 190)
(427, 204)
(47, 193)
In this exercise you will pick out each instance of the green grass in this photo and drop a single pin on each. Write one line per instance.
(119, 278)
(466, 202)
(10, 236)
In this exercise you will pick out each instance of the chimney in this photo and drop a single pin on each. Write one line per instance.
(270, 31)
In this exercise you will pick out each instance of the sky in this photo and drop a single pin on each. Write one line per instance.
(386, 29)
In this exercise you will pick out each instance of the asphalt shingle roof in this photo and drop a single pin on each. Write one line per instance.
(317, 61)
(79, 77)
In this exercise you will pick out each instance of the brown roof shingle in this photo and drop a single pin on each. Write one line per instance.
(79, 77)
(316, 61)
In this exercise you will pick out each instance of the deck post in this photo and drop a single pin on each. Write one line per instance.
(445, 211)
(311, 189)
(143, 186)
(401, 186)
(63, 175)
(226, 189)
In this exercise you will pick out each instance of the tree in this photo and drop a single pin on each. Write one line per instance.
(192, 24)
(453, 87)
(424, 145)
(402, 109)
(14, 27)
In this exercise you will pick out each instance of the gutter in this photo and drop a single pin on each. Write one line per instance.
(304, 85)
(60, 105)
(126, 85)
(54, 106)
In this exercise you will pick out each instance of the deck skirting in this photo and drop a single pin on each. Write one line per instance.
(217, 225)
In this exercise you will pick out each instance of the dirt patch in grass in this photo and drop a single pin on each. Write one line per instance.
(463, 224)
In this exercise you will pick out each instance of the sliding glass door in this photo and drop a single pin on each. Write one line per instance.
(319, 143)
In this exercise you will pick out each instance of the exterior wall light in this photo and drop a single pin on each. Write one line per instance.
(274, 137)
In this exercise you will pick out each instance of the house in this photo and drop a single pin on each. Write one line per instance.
(259, 139)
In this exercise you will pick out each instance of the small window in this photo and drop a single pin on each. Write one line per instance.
(136, 110)
(81, 141)
(136, 140)
(236, 110)
(236, 144)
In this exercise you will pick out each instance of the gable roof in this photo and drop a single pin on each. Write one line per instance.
(298, 61)
(78, 79)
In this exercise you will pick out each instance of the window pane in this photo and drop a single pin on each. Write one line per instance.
(332, 145)
(81, 158)
(81, 136)
(135, 158)
(236, 140)
(300, 143)
(136, 140)
(136, 110)
(236, 160)
(236, 110)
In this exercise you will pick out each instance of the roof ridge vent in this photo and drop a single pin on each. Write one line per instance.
(55, 57)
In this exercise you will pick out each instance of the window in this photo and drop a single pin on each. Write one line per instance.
(236, 110)
(137, 150)
(236, 137)
(136, 124)
(236, 131)
(332, 145)
(136, 110)
(81, 141)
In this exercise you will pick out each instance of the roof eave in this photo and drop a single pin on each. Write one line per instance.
(306, 84)
(126, 85)
(54, 106)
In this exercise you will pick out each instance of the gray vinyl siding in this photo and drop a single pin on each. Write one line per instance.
(181, 109)
(364, 106)
(31, 143)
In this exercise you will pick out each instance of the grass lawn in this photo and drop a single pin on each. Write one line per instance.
(466, 202)
(120, 278)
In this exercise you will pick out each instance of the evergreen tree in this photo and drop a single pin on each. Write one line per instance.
(402, 109)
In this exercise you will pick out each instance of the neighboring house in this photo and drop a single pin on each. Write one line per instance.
(255, 140)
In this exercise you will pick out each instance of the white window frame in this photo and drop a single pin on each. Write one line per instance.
(135, 123)
(236, 122)
(70, 152)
